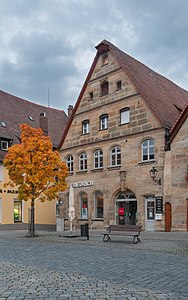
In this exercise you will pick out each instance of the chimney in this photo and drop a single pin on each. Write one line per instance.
(43, 122)
(70, 109)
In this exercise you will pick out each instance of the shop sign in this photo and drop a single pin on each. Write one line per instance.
(159, 204)
(8, 191)
(158, 217)
(121, 211)
(82, 184)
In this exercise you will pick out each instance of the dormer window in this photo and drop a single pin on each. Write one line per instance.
(105, 59)
(4, 145)
(104, 88)
(3, 124)
(30, 118)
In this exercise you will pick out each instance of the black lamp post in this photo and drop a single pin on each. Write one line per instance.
(153, 174)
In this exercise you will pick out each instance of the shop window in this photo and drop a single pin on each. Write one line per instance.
(148, 150)
(83, 161)
(17, 211)
(70, 163)
(124, 116)
(115, 156)
(99, 209)
(84, 206)
(103, 122)
(98, 159)
(104, 88)
(85, 127)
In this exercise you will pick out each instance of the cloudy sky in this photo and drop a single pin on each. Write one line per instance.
(47, 46)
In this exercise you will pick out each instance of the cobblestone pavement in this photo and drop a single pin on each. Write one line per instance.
(53, 267)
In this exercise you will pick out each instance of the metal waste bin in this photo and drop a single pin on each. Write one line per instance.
(85, 230)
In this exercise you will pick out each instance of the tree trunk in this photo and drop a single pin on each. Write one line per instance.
(32, 232)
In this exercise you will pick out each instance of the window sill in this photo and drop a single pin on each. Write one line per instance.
(97, 170)
(114, 168)
(98, 220)
(70, 174)
(81, 172)
(147, 162)
(124, 123)
(83, 134)
(81, 220)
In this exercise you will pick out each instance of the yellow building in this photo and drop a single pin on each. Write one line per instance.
(14, 214)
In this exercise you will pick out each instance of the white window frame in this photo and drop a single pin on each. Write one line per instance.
(5, 143)
(124, 116)
(104, 122)
(70, 163)
(85, 127)
(83, 161)
(98, 159)
(115, 156)
(149, 148)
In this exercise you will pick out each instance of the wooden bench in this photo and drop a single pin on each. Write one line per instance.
(123, 230)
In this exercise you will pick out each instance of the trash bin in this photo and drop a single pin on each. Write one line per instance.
(85, 230)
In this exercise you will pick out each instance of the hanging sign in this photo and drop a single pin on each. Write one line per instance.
(159, 204)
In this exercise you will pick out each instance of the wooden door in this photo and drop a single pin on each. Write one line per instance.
(168, 216)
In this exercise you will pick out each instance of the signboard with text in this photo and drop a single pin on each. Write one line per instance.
(159, 204)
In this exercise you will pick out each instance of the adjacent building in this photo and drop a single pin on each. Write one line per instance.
(116, 142)
(15, 111)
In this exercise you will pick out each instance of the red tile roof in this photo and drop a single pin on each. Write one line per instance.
(15, 111)
(162, 96)
(179, 122)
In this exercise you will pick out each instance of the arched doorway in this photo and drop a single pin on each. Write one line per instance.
(168, 216)
(126, 208)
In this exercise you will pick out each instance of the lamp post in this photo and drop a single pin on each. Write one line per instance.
(153, 174)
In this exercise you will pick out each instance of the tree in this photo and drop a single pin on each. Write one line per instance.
(35, 169)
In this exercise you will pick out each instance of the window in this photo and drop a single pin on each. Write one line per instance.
(115, 156)
(84, 206)
(70, 163)
(103, 122)
(83, 161)
(99, 205)
(104, 88)
(91, 96)
(17, 211)
(98, 159)
(85, 127)
(105, 59)
(4, 145)
(119, 85)
(1, 171)
(30, 118)
(124, 116)
(148, 150)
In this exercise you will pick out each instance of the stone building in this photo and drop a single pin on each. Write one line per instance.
(15, 111)
(176, 185)
(115, 142)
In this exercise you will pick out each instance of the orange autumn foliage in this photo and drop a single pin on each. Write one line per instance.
(34, 167)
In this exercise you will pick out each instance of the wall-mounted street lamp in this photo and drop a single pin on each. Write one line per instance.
(153, 174)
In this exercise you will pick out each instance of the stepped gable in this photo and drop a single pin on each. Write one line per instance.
(15, 111)
(163, 97)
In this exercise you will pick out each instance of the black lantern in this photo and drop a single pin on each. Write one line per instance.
(153, 174)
